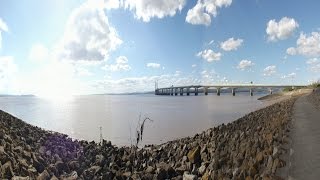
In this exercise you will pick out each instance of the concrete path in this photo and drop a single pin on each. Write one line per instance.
(305, 160)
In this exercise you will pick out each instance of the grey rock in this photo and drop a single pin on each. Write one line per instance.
(187, 176)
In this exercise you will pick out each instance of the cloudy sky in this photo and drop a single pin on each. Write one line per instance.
(55, 48)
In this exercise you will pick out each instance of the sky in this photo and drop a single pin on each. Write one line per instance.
(61, 48)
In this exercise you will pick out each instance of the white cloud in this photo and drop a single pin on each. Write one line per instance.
(193, 65)
(112, 4)
(209, 55)
(245, 64)
(8, 70)
(88, 35)
(289, 76)
(307, 45)
(147, 9)
(313, 61)
(177, 73)
(3, 27)
(231, 44)
(143, 83)
(38, 52)
(81, 71)
(291, 51)
(121, 65)
(281, 30)
(201, 13)
(314, 65)
(269, 70)
(153, 65)
(211, 42)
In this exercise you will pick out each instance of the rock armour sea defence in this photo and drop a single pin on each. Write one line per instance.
(248, 148)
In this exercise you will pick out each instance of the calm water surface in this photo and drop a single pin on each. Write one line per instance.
(173, 116)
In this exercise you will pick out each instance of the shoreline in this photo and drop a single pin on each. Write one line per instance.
(223, 151)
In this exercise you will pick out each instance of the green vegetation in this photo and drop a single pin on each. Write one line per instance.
(288, 89)
(315, 85)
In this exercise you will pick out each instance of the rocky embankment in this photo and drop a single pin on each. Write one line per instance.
(248, 148)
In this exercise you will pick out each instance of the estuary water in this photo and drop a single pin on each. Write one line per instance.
(172, 116)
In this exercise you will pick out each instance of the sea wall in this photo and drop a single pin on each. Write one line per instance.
(248, 148)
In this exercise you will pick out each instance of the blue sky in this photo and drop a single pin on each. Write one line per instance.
(56, 48)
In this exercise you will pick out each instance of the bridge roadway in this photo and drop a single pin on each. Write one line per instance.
(175, 90)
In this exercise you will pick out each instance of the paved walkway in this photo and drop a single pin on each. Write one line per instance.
(305, 160)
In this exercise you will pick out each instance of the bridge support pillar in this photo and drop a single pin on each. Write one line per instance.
(171, 91)
(233, 91)
(205, 91)
(188, 91)
(175, 91)
(196, 91)
(181, 91)
(251, 92)
(218, 91)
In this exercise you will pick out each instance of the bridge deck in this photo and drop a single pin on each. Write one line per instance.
(235, 86)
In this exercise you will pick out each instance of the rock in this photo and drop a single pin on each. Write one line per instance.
(2, 133)
(21, 178)
(54, 178)
(93, 170)
(161, 174)
(202, 169)
(127, 174)
(206, 176)
(150, 169)
(269, 165)
(23, 162)
(52, 169)
(100, 159)
(72, 176)
(194, 155)
(275, 151)
(57, 157)
(6, 170)
(259, 157)
(275, 165)
(42, 150)
(184, 159)
(180, 170)
(27, 155)
(252, 171)
(269, 138)
(32, 170)
(18, 149)
(235, 172)
(44, 175)
(2, 150)
(187, 176)
(39, 167)
(73, 165)
(61, 167)
(48, 153)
